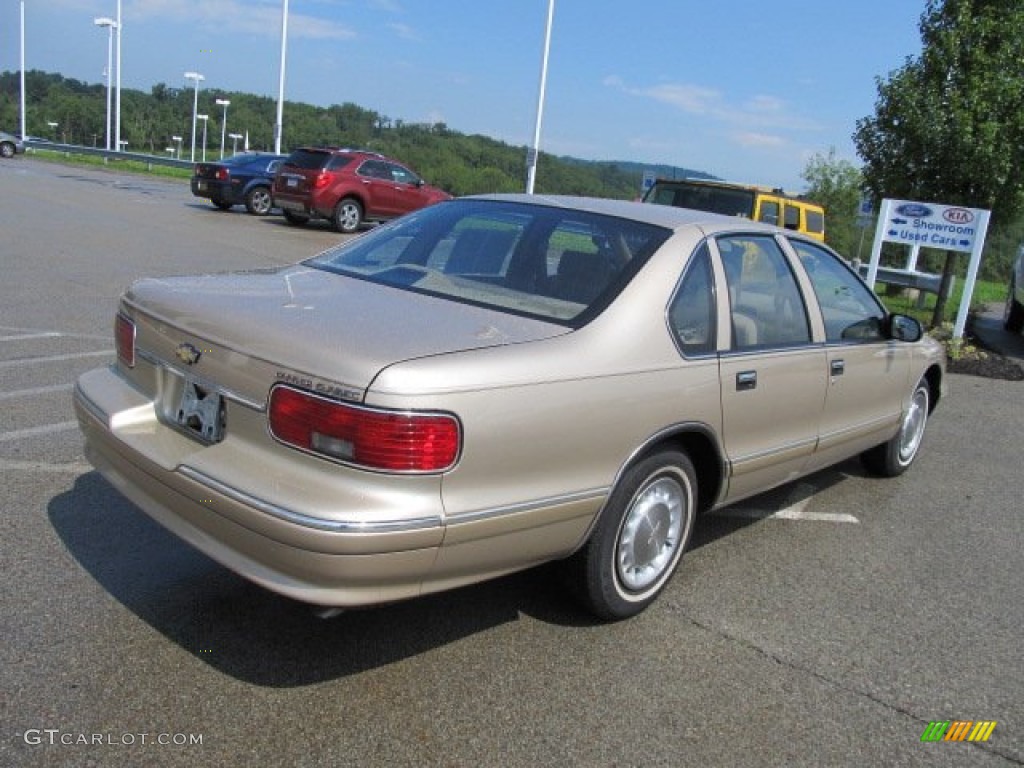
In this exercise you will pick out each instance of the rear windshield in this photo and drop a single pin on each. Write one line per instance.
(731, 202)
(554, 264)
(310, 159)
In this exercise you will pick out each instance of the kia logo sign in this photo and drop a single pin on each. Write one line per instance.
(914, 211)
(958, 215)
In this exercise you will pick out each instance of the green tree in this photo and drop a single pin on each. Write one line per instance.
(835, 184)
(949, 124)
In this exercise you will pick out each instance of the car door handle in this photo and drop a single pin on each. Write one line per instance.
(746, 380)
(838, 367)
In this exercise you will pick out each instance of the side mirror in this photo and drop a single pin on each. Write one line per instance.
(904, 328)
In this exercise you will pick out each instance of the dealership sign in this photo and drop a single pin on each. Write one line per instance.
(931, 225)
(948, 227)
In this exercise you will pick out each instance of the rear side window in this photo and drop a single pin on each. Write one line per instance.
(792, 217)
(764, 300)
(769, 212)
(691, 315)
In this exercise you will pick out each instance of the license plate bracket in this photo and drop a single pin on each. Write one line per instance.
(201, 412)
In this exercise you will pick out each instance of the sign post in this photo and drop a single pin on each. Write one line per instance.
(928, 225)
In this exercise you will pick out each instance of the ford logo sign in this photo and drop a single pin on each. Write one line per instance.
(914, 211)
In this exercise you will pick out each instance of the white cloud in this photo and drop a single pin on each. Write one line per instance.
(255, 18)
(753, 139)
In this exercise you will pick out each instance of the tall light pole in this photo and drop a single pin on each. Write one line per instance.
(110, 24)
(280, 82)
(531, 161)
(205, 119)
(177, 142)
(224, 124)
(22, 70)
(234, 142)
(117, 110)
(197, 78)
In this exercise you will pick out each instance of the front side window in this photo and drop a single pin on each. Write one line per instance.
(765, 303)
(769, 212)
(850, 310)
(551, 263)
(402, 175)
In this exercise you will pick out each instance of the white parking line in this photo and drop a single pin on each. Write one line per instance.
(795, 511)
(14, 394)
(45, 429)
(75, 467)
(41, 335)
(52, 358)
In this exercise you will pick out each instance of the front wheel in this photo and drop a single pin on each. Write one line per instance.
(640, 537)
(258, 201)
(348, 215)
(6, 149)
(894, 457)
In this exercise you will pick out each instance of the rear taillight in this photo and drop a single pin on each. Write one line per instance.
(222, 174)
(322, 180)
(124, 339)
(382, 440)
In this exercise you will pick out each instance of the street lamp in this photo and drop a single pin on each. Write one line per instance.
(53, 125)
(280, 82)
(197, 78)
(177, 140)
(204, 118)
(117, 111)
(224, 124)
(234, 142)
(111, 25)
(532, 157)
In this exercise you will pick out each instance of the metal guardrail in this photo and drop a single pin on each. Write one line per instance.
(74, 149)
(906, 278)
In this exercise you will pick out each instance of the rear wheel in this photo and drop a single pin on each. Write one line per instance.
(348, 215)
(258, 201)
(221, 204)
(894, 457)
(1013, 319)
(640, 537)
(296, 219)
(6, 149)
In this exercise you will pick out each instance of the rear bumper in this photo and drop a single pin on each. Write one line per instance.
(215, 190)
(348, 559)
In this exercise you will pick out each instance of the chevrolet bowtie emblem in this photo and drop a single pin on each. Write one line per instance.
(188, 354)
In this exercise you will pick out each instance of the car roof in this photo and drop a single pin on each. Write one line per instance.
(667, 216)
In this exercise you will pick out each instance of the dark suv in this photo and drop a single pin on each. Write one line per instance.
(348, 187)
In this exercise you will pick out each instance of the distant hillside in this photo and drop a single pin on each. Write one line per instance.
(460, 163)
(638, 169)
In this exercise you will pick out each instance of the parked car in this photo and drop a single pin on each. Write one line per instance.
(494, 382)
(765, 204)
(348, 187)
(1013, 320)
(243, 179)
(10, 145)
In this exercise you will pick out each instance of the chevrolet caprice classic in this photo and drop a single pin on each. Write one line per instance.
(496, 382)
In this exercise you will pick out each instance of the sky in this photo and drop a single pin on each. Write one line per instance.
(746, 92)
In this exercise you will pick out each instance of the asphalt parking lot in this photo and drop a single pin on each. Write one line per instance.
(825, 624)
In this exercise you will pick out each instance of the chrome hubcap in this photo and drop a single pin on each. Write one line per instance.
(912, 429)
(651, 533)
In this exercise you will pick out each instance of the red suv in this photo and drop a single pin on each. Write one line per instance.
(348, 187)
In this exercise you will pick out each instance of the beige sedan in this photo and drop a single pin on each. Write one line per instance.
(495, 382)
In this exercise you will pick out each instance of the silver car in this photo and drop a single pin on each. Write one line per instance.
(10, 145)
(495, 382)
